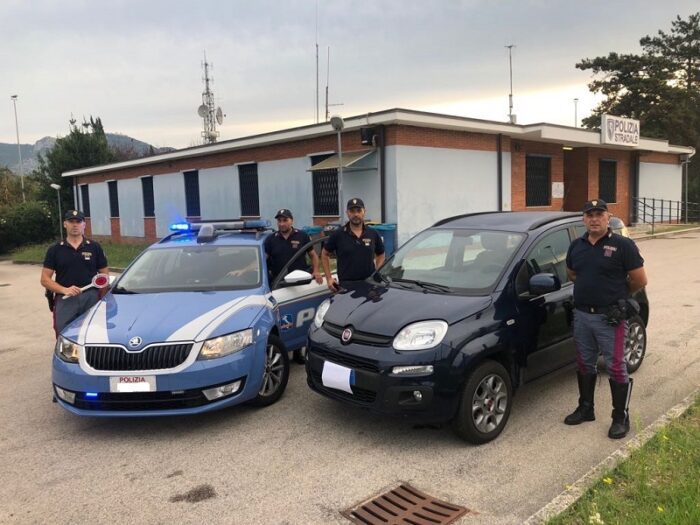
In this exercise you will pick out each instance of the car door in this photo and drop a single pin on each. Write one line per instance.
(547, 320)
(296, 304)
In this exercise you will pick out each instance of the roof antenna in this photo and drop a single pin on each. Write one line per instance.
(210, 114)
(328, 77)
(511, 117)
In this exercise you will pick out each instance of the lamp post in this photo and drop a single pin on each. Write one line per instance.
(338, 125)
(19, 149)
(576, 113)
(57, 187)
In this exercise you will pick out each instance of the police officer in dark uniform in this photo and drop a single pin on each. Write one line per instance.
(282, 245)
(359, 249)
(606, 269)
(75, 262)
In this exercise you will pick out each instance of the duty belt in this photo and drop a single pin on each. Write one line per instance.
(593, 309)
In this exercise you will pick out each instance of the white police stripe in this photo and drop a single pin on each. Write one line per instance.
(253, 300)
(97, 329)
(86, 323)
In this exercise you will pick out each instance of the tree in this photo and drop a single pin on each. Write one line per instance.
(659, 87)
(85, 146)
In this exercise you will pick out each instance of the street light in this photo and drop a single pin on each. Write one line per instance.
(19, 149)
(338, 125)
(57, 187)
(576, 113)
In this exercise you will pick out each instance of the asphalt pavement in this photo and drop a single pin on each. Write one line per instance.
(307, 458)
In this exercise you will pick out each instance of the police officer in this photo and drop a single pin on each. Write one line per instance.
(606, 269)
(358, 248)
(75, 262)
(282, 245)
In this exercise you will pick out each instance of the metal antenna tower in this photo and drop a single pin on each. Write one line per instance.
(511, 117)
(211, 115)
(328, 79)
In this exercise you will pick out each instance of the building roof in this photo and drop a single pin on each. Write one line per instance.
(540, 132)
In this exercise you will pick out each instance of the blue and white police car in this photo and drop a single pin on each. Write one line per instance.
(194, 324)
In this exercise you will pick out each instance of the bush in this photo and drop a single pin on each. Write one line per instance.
(26, 223)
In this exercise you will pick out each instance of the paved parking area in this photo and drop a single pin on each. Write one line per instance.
(306, 458)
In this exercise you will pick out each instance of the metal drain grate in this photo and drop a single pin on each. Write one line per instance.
(404, 505)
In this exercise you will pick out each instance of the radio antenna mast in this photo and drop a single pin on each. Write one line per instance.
(328, 79)
(211, 115)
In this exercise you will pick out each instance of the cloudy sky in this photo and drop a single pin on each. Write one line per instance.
(138, 64)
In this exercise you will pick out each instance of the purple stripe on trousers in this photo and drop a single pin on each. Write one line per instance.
(618, 358)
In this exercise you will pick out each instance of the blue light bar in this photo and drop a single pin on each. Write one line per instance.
(181, 227)
(91, 394)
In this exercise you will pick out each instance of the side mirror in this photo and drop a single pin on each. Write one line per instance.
(298, 277)
(542, 283)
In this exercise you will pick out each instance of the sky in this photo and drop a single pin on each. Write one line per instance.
(138, 64)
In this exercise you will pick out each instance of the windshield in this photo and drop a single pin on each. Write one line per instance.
(193, 268)
(466, 261)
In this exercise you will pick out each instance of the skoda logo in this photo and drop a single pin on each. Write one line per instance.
(135, 342)
(346, 335)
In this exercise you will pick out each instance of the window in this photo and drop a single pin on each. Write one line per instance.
(192, 193)
(537, 180)
(325, 188)
(607, 180)
(85, 198)
(248, 182)
(148, 201)
(113, 198)
(549, 254)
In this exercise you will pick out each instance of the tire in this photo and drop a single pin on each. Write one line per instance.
(275, 375)
(484, 407)
(635, 344)
(300, 355)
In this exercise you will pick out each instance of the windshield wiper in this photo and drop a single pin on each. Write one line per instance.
(383, 278)
(428, 286)
(122, 290)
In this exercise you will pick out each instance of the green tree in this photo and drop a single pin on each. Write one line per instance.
(84, 146)
(660, 87)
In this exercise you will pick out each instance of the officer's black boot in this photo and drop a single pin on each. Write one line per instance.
(620, 415)
(584, 411)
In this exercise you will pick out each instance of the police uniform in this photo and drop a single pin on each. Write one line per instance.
(280, 250)
(601, 281)
(354, 255)
(74, 267)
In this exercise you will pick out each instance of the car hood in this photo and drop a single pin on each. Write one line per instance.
(161, 317)
(385, 310)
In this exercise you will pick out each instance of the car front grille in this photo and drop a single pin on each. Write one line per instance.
(154, 357)
(359, 396)
(351, 361)
(364, 338)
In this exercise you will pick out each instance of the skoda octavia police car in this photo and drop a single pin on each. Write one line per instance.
(192, 325)
(455, 321)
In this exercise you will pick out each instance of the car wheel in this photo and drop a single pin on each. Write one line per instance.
(635, 343)
(300, 355)
(485, 405)
(276, 373)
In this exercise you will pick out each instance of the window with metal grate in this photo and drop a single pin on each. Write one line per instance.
(148, 200)
(113, 198)
(325, 188)
(607, 180)
(85, 199)
(537, 180)
(192, 193)
(250, 196)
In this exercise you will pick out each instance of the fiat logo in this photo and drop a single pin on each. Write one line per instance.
(135, 342)
(346, 335)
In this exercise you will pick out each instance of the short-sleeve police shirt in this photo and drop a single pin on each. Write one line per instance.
(602, 268)
(280, 250)
(355, 255)
(75, 267)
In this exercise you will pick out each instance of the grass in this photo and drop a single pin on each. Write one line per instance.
(118, 255)
(657, 484)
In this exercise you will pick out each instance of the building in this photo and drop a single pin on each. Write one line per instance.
(411, 168)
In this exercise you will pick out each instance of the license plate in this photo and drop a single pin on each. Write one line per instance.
(132, 384)
(338, 377)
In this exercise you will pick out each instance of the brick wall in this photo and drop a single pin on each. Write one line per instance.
(661, 158)
(519, 150)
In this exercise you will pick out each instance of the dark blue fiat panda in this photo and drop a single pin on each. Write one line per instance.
(458, 318)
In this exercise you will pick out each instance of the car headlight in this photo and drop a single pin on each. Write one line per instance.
(421, 336)
(226, 344)
(67, 351)
(321, 313)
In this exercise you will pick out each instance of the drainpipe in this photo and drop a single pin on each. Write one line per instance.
(499, 181)
(382, 175)
(634, 193)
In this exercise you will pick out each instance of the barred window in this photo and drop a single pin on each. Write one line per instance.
(192, 193)
(537, 180)
(113, 198)
(250, 197)
(148, 199)
(607, 180)
(325, 188)
(85, 198)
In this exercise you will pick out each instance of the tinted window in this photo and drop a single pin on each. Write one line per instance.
(113, 198)
(148, 201)
(548, 255)
(192, 193)
(537, 180)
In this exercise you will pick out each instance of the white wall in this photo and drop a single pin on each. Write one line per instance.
(130, 207)
(365, 185)
(169, 200)
(219, 194)
(99, 209)
(286, 184)
(434, 183)
(660, 181)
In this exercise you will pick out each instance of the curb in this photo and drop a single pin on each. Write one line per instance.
(573, 492)
(661, 234)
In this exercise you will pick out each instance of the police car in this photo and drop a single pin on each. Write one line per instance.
(194, 324)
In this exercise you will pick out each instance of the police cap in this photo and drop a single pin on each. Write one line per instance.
(74, 215)
(596, 204)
